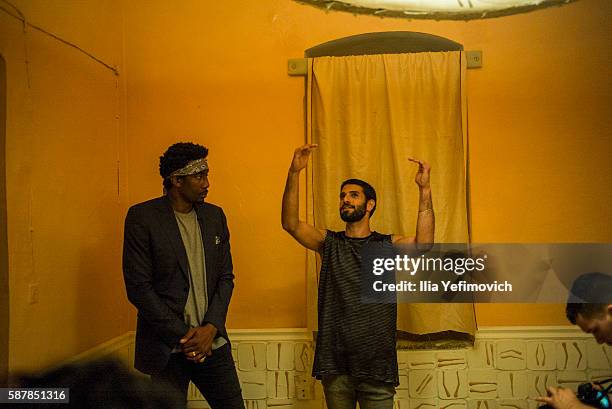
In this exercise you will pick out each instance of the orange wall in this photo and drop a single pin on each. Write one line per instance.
(216, 73)
(540, 134)
(65, 205)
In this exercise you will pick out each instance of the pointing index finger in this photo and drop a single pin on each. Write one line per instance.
(420, 162)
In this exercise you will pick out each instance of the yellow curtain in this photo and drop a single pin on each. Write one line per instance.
(368, 114)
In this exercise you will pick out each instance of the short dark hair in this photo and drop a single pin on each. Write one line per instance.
(177, 156)
(589, 296)
(368, 190)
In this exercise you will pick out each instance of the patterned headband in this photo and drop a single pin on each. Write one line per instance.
(193, 167)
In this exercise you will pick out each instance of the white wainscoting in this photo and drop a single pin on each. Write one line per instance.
(506, 366)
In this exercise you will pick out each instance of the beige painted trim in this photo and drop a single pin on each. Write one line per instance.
(524, 332)
(270, 334)
(126, 341)
(111, 347)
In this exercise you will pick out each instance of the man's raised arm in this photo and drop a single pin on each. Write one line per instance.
(307, 235)
(426, 222)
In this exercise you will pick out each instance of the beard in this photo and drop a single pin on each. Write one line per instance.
(357, 214)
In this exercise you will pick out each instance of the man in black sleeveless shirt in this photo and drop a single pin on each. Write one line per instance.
(355, 354)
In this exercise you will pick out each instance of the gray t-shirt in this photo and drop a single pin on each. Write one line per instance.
(197, 300)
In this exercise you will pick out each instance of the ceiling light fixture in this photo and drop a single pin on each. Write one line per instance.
(436, 9)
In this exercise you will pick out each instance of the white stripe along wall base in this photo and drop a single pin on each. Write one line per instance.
(506, 366)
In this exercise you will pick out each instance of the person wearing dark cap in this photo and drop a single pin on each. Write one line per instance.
(589, 306)
(178, 273)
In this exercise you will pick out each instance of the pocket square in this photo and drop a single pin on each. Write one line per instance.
(217, 240)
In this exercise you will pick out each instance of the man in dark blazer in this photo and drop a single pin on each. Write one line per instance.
(178, 273)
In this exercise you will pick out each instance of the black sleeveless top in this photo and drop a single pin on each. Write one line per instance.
(354, 338)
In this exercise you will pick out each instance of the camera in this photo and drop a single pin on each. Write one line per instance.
(588, 395)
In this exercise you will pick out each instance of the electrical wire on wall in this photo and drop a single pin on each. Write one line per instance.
(13, 11)
(17, 14)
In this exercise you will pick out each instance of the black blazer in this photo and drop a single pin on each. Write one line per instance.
(155, 269)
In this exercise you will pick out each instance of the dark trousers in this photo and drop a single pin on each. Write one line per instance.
(216, 378)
